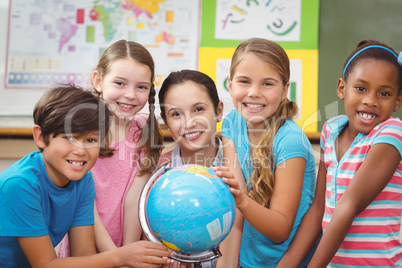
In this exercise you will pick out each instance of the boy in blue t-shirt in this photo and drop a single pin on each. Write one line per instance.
(51, 192)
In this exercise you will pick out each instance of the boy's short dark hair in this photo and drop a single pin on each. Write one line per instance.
(69, 109)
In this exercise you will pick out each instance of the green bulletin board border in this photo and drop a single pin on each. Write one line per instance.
(308, 34)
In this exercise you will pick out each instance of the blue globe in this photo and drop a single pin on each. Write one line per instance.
(189, 209)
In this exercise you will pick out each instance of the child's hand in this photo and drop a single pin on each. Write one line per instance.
(229, 179)
(147, 254)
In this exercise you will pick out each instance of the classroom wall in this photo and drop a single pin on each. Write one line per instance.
(343, 23)
(216, 52)
(54, 42)
(211, 51)
(13, 102)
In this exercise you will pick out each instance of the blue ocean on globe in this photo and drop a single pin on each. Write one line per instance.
(190, 209)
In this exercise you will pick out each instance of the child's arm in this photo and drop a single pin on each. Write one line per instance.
(82, 240)
(230, 247)
(277, 221)
(370, 179)
(310, 228)
(103, 240)
(131, 227)
(40, 253)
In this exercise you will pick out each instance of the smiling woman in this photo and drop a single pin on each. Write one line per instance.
(192, 123)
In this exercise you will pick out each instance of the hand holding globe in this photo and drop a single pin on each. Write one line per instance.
(189, 209)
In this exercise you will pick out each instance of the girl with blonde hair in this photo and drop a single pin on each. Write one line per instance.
(270, 165)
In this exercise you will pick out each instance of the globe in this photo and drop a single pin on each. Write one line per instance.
(190, 209)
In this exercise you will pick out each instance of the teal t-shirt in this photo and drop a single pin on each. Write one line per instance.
(31, 205)
(256, 249)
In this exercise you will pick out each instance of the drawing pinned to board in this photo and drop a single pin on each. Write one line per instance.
(277, 20)
(294, 91)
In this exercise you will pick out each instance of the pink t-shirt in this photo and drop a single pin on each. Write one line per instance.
(113, 177)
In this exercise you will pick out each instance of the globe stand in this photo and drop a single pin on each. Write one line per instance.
(195, 258)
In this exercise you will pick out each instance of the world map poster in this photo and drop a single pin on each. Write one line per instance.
(60, 41)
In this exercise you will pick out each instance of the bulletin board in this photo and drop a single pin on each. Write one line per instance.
(222, 25)
(293, 24)
(60, 41)
(66, 37)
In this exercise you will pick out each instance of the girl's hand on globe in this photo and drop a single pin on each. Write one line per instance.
(228, 178)
(146, 254)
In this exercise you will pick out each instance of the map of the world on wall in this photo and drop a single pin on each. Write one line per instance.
(60, 41)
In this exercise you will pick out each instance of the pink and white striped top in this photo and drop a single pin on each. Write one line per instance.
(373, 238)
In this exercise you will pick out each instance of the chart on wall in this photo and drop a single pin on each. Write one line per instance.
(293, 24)
(60, 41)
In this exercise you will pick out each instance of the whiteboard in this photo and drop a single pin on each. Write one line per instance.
(13, 102)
